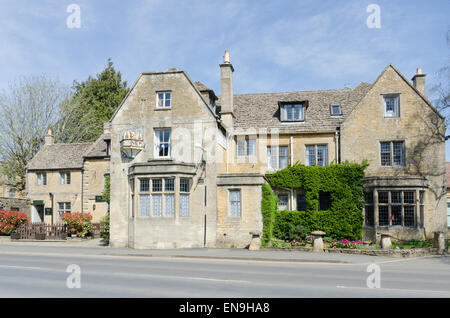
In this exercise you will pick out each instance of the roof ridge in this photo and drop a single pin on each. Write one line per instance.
(308, 91)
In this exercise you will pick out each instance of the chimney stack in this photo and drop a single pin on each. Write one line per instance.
(419, 82)
(226, 90)
(49, 139)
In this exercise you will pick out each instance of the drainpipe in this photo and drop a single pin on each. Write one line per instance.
(51, 200)
(336, 142)
(292, 150)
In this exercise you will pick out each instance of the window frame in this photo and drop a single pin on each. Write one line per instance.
(331, 110)
(316, 155)
(65, 178)
(230, 215)
(277, 156)
(245, 143)
(284, 117)
(158, 143)
(392, 162)
(402, 204)
(164, 99)
(396, 112)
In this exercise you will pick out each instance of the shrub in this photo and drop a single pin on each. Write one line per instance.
(268, 209)
(104, 228)
(78, 223)
(10, 221)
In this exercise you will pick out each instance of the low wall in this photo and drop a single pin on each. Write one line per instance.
(413, 252)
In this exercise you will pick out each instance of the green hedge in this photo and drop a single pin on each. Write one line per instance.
(344, 183)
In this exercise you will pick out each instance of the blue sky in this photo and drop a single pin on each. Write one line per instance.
(274, 45)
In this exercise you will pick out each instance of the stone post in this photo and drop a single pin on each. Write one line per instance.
(385, 241)
(317, 241)
(255, 243)
(439, 241)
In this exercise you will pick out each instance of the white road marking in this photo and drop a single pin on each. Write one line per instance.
(397, 289)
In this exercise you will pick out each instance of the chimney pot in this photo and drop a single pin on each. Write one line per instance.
(49, 139)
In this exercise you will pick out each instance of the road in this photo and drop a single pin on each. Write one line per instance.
(41, 272)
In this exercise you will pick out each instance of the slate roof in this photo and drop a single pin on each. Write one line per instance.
(262, 110)
(59, 156)
(98, 148)
(202, 87)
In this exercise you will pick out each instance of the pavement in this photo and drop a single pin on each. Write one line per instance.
(96, 247)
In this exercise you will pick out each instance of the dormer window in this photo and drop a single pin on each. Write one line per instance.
(391, 106)
(336, 110)
(292, 111)
(163, 99)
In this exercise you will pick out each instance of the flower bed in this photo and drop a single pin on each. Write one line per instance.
(10, 220)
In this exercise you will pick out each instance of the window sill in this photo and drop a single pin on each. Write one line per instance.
(162, 108)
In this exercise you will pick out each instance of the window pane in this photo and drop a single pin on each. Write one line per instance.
(396, 197)
(310, 155)
(391, 106)
(68, 177)
(283, 201)
(157, 185)
(301, 202)
(335, 110)
(398, 153)
(383, 215)
(272, 158)
(61, 178)
(240, 144)
(184, 185)
(421, 197)
(383, 197)
(396, 214)
(167, 101)
(324, 201)
(385, 153)
(169, 205)
(169, 184)
(39, 178)
(235, 202)
(184, 204)
(144, 185)
(144, 205)
(61, 205)
(156, 205)
(44, 175)
(321, 155)
(160, 99)
(369, 215)
(283, 157)
(368, 197)
(409, 216)
(409, 197)
(251, 147)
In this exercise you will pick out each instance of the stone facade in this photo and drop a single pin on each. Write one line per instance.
(186, 167)
(422, 174)
(67, 178)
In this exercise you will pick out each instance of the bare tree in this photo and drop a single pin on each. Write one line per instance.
(27, 110)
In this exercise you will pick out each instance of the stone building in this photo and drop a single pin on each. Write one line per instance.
(186, 165)
(67, 178)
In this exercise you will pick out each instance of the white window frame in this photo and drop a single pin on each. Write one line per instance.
(331, 110)
(316, 147)
(164, 99)
(277, 156)
(245, 143)
(185, 194)
(396, 112)
(284, 112)
(158, 143)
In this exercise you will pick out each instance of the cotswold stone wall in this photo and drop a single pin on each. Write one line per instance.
(23, 205)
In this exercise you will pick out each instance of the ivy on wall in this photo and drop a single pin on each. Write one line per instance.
(343, 182)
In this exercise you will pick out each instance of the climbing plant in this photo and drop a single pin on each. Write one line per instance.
(344, 185)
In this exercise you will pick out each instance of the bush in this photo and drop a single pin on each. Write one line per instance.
(104, 228)
(10, 221)
(269, 208)
(78, 223)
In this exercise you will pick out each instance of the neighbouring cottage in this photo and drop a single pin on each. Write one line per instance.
(187, 166)
(67, 178)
